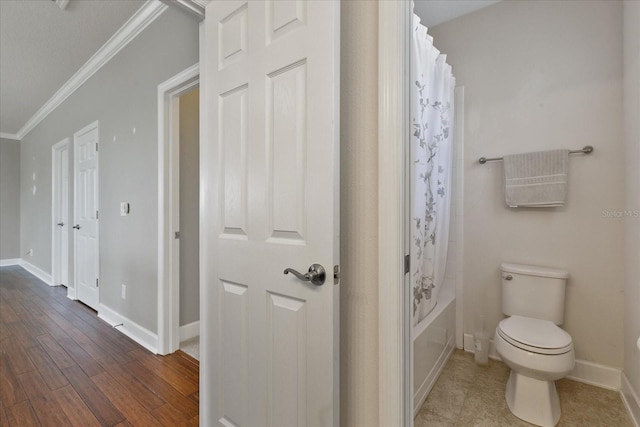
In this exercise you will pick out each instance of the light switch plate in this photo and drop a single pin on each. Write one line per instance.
(124, 209)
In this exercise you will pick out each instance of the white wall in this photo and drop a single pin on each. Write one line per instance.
(538, 76)
(632, 223)
(9, 199)
(358, 214)
(122, 96)
(189, 207)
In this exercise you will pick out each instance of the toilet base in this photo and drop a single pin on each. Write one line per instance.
(532, 400)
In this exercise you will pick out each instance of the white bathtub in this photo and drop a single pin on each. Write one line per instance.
(435, 337)
(433, 343)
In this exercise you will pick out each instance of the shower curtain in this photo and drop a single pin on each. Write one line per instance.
(431, 162)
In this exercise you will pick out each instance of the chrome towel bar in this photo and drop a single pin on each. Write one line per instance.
(585, 150)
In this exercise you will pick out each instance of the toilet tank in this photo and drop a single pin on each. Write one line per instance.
(533, 291)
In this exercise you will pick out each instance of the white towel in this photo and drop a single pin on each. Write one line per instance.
(536, 179)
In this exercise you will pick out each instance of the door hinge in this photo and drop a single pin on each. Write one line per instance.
(407, 264)
(336, 274)
(176, 234)
(97, 282)
(96, 146)
(96, 214)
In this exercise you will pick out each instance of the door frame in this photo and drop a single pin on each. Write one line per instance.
(394, 297)
(394, 137)
(169, 93)
(56, 149)
(93, 125)
(395, 396)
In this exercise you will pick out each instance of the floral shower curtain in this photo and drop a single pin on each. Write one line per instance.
(431, 162)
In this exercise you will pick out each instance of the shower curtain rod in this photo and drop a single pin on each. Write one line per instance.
(588, 149)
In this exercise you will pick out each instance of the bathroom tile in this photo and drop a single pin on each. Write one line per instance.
(429, 419)
(449, 392)
(495, 373)
(468, 395)
(191, 347)
(462, 367)
(446, 397)
(583, 404)
(485, 406)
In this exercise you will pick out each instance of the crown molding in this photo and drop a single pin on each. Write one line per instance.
(195, 8)
(5, 135)
(62, 4)
(140, 20)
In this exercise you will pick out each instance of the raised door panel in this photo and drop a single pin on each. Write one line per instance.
(284, 16)
(286, 118)
(233, 143)
(232, 36)
(234, 320)
(287, 364)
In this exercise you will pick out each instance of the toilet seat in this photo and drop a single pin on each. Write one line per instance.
(535, 335)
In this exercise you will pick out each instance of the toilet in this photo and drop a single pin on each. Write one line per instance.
(531, 343)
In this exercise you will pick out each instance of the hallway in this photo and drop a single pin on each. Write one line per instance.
(61, 365)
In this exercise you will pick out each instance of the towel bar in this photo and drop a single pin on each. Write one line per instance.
(585, 150)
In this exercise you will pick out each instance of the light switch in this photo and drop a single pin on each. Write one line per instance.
(124, 209)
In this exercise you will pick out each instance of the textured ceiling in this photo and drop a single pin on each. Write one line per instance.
(42, 46)
(434, 12)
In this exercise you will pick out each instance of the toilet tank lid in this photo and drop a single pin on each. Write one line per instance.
(533, 270)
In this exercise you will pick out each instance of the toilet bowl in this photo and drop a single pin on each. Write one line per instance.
(538, 353)
(530, 341)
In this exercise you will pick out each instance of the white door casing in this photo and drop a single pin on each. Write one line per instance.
(60, 210)
(169, 93)
(269, 200)
(86, 215)
(394, 307)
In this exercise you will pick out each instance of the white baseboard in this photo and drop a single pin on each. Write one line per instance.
(9, 261)
(631, 400)
(141, 335)
(190, 330)
(585, 372)
(40, 274)
(597, 375)
(71, 293)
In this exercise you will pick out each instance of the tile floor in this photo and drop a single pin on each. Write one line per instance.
(468, 395)
(191, 347)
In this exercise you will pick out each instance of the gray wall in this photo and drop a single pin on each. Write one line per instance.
(632, 221)
(359, 214)
(189, 207)
(9, 199)
(538, 77)
(123, 97)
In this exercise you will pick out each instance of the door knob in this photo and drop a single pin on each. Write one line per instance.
(316, 274)
(61, 224)
(77, 226)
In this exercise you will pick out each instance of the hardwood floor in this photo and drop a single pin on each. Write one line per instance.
(62, 366)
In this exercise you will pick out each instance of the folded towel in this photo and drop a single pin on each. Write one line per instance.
(536, 179)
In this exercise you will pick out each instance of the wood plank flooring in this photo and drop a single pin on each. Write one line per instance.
(62, 366)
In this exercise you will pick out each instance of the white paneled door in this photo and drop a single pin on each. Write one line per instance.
(269, 188)
(86, 215)
(61, 225)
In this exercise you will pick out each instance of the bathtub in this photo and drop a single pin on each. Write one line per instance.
(435, 337)
(433, 343)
